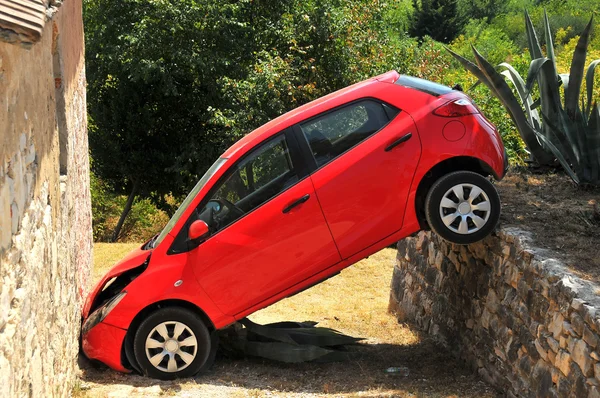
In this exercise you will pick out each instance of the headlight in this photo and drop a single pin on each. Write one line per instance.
(98, 316)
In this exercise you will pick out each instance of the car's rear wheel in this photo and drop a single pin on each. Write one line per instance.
(462, 207)
(173, 342)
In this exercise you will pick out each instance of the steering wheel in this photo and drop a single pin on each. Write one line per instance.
(220, 204)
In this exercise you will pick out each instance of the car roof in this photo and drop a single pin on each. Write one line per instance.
(305, 111)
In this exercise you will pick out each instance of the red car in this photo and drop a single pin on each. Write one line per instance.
(291, 204)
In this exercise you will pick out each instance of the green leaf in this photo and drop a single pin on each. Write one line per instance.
(549, 44)
(517, 81)
(471, 67)
(534, 69)
(557, 152)
(535, 49)
(576, 73)
(589, 83)
(593, 135)
(501, 89)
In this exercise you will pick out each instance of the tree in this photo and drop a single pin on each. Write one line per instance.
(152, 68)
(438, 19)
(172, 83)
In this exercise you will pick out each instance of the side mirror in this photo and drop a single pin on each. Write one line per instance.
(198, 229)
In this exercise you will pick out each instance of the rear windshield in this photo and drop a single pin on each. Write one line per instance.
(423, 85)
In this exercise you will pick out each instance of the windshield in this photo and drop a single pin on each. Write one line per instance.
(209, 173)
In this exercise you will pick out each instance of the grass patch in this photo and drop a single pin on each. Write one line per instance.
(107, 254)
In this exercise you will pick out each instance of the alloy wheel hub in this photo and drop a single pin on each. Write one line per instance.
(171, 346)
(465, 208)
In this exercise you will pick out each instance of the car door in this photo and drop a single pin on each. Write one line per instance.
(268, 230)
(365, 155)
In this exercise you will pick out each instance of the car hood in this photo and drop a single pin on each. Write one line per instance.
(132, 260)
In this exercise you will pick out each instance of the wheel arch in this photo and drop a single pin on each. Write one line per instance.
(126, 358)
(446, 166)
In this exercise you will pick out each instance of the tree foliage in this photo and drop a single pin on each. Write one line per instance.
(438, 19)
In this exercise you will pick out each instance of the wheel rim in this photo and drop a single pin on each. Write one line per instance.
(171, 346)
(465, 209)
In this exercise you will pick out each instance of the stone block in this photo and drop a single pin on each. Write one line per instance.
(563, 362)
(556, 325)
(590, 337)
(581, 356)
(553, 344)
(577, 323)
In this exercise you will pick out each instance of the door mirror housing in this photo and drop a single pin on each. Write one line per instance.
(198, 230)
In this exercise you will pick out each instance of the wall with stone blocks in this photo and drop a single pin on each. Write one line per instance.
(45, 216)
(519, 318)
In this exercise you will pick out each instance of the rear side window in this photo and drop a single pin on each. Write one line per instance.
(337, 131)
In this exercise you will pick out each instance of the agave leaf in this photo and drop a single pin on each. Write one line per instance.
(593, 134)
(549, 44)
(559, 129)
(534, 69)
(471, 67)
(498, 85)
(535, 49)
(477, 83)
(557, 152)
(515, 78)
(576, 73)
(564, 79)
(589, 83)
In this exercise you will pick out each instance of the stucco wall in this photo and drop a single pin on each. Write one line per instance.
(517, 316)
(45, 216)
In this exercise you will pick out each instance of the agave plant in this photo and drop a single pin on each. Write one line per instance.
(551, 130)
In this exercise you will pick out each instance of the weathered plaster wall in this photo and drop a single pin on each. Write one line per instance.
(518, 317)
(45, 216)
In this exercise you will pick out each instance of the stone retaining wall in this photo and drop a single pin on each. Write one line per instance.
(45, 213)
(519, 318)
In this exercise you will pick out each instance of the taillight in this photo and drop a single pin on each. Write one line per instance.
(455, 108)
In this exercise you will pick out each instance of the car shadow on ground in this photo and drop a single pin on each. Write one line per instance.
(432, 372)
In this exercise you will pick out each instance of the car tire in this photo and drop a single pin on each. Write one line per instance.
(462, 207)
(174, 342)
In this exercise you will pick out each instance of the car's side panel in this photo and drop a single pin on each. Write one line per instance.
(265, 252)
(363, 192)
(158, 283)
(411, 226)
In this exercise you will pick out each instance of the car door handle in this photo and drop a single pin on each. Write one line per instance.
(295, 203)
(399, 141)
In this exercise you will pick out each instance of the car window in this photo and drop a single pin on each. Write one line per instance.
(335, 132)
(260, 176)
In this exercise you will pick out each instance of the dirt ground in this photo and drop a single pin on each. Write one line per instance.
(354, 302)
(560, 215)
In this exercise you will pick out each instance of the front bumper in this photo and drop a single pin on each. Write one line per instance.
(103, 343)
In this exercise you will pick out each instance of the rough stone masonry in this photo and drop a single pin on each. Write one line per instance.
(45, 216)
(519, 318)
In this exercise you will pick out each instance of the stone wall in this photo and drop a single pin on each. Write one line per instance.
(45, 216)
(519, 318)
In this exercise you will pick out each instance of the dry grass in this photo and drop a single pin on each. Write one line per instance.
(561, 216)
(354, 302)
(107, 254)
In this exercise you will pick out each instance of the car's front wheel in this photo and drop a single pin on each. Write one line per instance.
(172, 343)
(462, 207)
